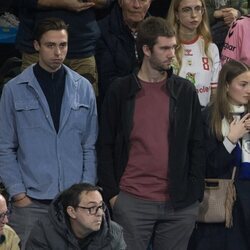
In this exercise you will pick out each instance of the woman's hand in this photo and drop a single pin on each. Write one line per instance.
(238, 128)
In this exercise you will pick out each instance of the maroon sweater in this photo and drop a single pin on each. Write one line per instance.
(145, 175)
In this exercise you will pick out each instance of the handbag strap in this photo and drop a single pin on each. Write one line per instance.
(233, 173)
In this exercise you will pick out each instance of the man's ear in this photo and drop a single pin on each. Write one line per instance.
(146, 50)
(36, 45)
(71, 212)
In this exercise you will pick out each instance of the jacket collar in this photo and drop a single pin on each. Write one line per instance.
(136, 86)
(71, 97)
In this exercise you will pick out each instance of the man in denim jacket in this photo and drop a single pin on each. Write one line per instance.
(48, 123)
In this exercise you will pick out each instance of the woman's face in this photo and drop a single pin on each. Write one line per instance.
(238, 90)
(190, 14)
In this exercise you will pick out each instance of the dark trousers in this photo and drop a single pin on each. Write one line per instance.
(142, 220)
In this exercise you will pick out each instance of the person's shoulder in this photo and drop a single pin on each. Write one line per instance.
(10, 233)
(213, 50)
(242, 20)
(181, 87)
(25, 76)
(11, 237)
(76, 77)
(115, 230)
(72, 74)
(115, 227)
(9, 229)
(124, 82)
(181, 81)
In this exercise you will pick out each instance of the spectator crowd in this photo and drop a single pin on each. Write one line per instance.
(119, 111)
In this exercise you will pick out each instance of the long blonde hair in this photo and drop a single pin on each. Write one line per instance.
(220, 106)
(203, 29)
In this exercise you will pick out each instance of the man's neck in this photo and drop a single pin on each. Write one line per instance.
(148, 74)
(49, 70)
(131, 25)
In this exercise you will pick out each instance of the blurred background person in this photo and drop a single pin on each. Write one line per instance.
(116, 54)
(237, 41)
(83, 31)
(221, 14)
(197, 58)
(8, 237)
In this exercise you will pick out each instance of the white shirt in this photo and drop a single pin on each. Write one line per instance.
(197, 67)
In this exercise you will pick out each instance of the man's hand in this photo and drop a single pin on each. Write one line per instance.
(21, 200)
(229, 15)
(72, 5)
(112, 201)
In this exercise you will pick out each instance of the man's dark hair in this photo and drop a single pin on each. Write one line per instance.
(48, 24)
(71, 196)
(148, 32)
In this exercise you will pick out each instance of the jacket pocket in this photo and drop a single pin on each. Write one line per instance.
(28, 113)
(79, 115)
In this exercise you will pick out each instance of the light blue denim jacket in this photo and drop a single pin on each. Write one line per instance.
(34, 158)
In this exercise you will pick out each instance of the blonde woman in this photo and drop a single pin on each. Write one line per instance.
(197, 58)
(227, 138)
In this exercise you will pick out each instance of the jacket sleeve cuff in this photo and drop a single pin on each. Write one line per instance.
(228, 145)
(16, 189)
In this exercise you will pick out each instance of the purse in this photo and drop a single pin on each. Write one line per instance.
(219, 198)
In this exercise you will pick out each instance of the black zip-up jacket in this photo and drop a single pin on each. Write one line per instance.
(186, 153)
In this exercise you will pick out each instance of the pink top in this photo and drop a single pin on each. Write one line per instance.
(237, 43)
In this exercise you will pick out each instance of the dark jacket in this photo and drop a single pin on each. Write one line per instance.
(186, 153)
(83, 28)
(115, 51)
(52, 232)
(219, 163)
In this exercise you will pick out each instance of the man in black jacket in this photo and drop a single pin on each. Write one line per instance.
(150, 153)
(77, 220)
(115, 52)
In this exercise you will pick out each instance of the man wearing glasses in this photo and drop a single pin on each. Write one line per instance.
(8, 237)
(77, 220)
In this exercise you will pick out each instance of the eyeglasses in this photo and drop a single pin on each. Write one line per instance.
(2, 215)
(93, 210)
(188, 11)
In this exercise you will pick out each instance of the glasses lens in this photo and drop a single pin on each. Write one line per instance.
(95, 209)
